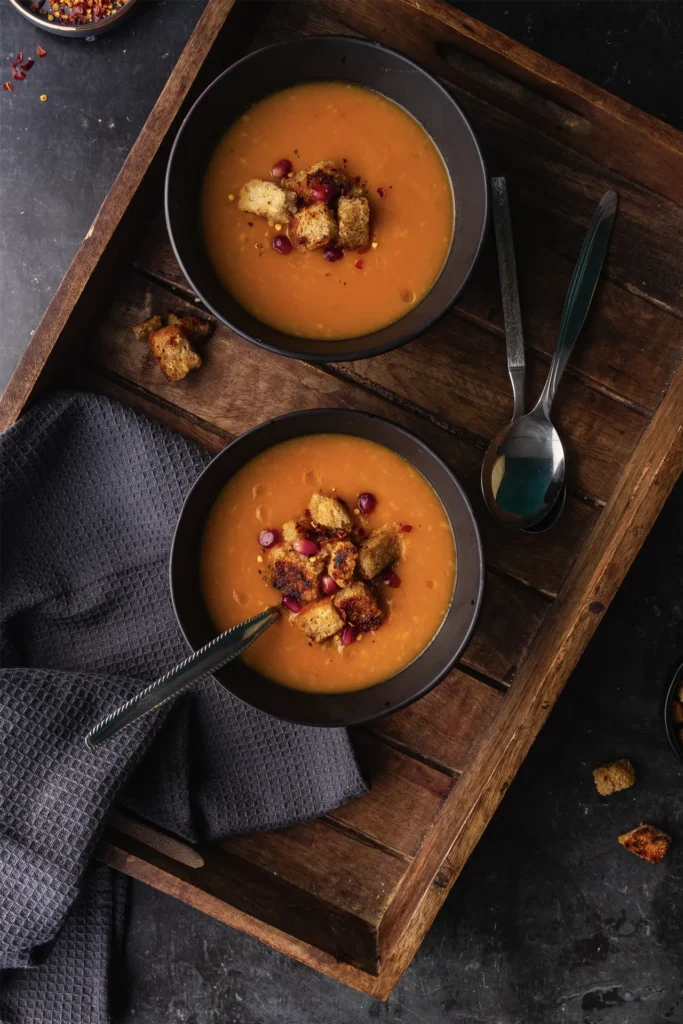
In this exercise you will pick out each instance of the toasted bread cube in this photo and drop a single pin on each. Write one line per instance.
(612, 777)
(325, 172)
(353, 216)
(330, 513)
(379, 550)
(313, 227)
(298, 529)
(295, 575)
(319, 621)
(143, 330)
(342, 562)
(173, 352)
(647, 842)
(266, 199)
(357, 604)
(197, 329)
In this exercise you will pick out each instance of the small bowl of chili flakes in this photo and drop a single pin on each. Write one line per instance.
(74, 18)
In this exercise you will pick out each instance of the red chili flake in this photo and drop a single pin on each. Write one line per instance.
(18, 74)
(381, 192)
(361, 250)
(40, 51)
(406, 528)
(359, 264)
(27, 65)
(8, 86)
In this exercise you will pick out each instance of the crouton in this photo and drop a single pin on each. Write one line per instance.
(266, 199)
(173, 352)
(298, 529)
(330, 513)
(296, 576)
(379, 550)
(325, 172)
(342, 562)
(353, 216)
(319, 621)
(143, 330)
(197, 329)
(357, 605)
(647, 842)
(610, 778)
(313, 227)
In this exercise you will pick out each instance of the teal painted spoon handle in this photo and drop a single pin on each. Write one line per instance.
(580, 292)
(207, 659)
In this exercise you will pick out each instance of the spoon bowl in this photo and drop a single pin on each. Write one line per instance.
(524, 469)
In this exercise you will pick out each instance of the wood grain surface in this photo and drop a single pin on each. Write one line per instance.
(353, 893)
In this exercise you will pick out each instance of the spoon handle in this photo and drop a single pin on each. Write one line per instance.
(512, 316)
(580, 292)
(209, 658)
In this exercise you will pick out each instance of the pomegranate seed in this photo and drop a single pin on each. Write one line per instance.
(390, 578)
(323, 193)
(18, 74)
(333, 253)
(329, 586)
(348, 635)
(305, 547)
(367, 503)
(267, 538)
(27, 65)
(17, 60)
(281, 169)
(359, 264)
(406, 528)
(381, 192)
(291, 604)
(282, 244)
(361, 250)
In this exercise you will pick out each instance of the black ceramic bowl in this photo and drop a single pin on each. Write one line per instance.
(344, 708)
(671, 728)
(314, 58)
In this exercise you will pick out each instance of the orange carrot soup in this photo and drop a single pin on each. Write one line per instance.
(352, 542)
(327, 211)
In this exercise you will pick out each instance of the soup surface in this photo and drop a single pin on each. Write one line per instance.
(411, 224)
(273, 488)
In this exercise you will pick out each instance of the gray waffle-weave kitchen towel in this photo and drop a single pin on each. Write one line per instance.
(90, 495)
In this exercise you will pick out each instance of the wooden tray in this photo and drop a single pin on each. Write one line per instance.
(352, 894)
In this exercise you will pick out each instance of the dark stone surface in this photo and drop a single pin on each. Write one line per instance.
(551, 921)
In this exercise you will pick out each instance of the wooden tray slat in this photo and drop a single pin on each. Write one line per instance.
(447, 724)
(422, 374)
(615, 350)
(353, 893)
(404, 800)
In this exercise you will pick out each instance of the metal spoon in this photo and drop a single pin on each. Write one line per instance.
(512, 317)
(524, 468)
(209, 658)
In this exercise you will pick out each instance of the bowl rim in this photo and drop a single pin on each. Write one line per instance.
(434, 679)
(365, 352)
(57, 28)
(670, 686)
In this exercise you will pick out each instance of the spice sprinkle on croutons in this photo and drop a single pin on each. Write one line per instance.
(316, 568)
